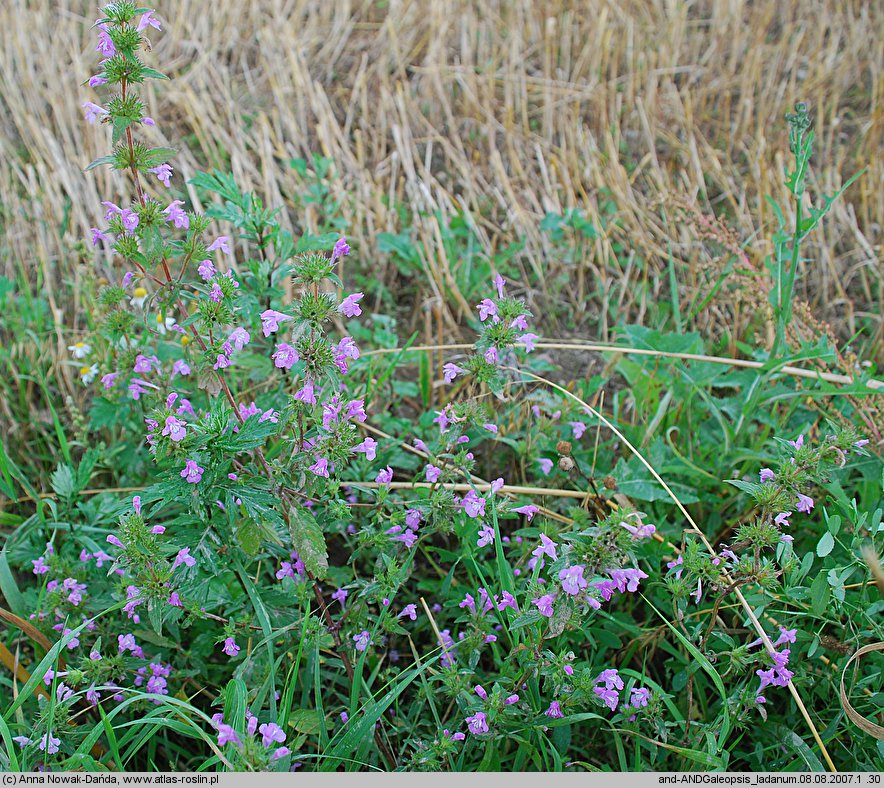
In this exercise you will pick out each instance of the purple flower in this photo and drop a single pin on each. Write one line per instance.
(363, 640)
(797, 444)
(577, 429)
(491, 355)
(40, 567)
(340, 595)
(175, 600)
(546, 547)
(478, 723)
(230, 648)
(281, 752)
(545, 465)
(148, 20)
(569, 670)
(346, 349)
(554, 711)
(341, 249)
(487, 308)
(96, 80)
(285, 356)
(572, 579)
(409, 611)
(451, 371)
(163, 173)
(129, 219)
(94, 112)
(433, 473)
(192, 472)
(226, 735)
(144, 364)
(528, 340)
(222, 362)
(206, 270)
(508, 600)
(239, 337)
(320, 467)
(626, 579)
(115, 542)
(385, 476)
(174, 214)
(219, 244)
(499, 282)
(368, 447)
(350, 305)
(473, 505)
(638, 699)
(413, 519)
(766, 475)
(49, 743)
(271, 733)
(216, 293)
(486, 536)
(805, 503)
(174, 428)
(610, 697)
(545, 604)
(183, 557)
(408, 538)
(480, 691)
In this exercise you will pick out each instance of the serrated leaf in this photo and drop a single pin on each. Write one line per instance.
(751, 488)
(249, 534)
(309, 541)
(825, 545)
(156, 156)
(63, 481)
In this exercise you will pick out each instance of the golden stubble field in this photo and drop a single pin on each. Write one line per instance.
(500, 111)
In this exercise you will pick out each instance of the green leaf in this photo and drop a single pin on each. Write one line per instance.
(751, 488)
(156, 156)
(825, 545)
(152, 73)
(305, 721)
(819, 594)
(63, 481)
(100, 162)
(309, 541)
(9, 587)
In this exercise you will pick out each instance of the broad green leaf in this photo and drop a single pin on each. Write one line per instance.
(825, 545)
(309, 541)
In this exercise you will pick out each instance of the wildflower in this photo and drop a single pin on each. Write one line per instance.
(545, 465)
(183, 557)
(175, 600)
(363, 640)
(766, 474)
(230, 648)
(163, 173)
(782, 519)
(139, 296)
(480, 691)
(508, 600)
(215, 294)
(385, 476)
(408, 538)
(473, 505)
(456, 736)
(192, 472)
(126, 643)
(222, 362)
(346, 349)
(490, 427)
(144, 364)
(174, 214)
(320, 467)
(478, 723)
(797, 444)
(804, 504)
(227, 735)
(451, 371)
(350, 305)
(627, 579)
(80, 350)
(340, 595)
(528, 341)
(97, 79)
(40, 567)
(546, 547)
(368, 447)
(174, 428)
(219, 244)
(486, 536)
(180, 367)
(341, 249)
(640, 531)
(115, 542)
(306, 394)
(572, 579)
(545, 604)
(271, 733)
(499, 282)
(554, 711)
(49, 744)
(94, 112)
(206, 270)
(409, 611)
(520, 323)
(147, 20)
(285, 356)
(577, 429)
(491, 355)
(639, 697)
(487, 308)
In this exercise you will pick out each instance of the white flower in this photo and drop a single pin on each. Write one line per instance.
(88, 374)
(80, 350)
(139, 297)
(164, 324)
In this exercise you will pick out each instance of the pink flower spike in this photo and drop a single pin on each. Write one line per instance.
(147, 20)
(350, 305)
(219, 244)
